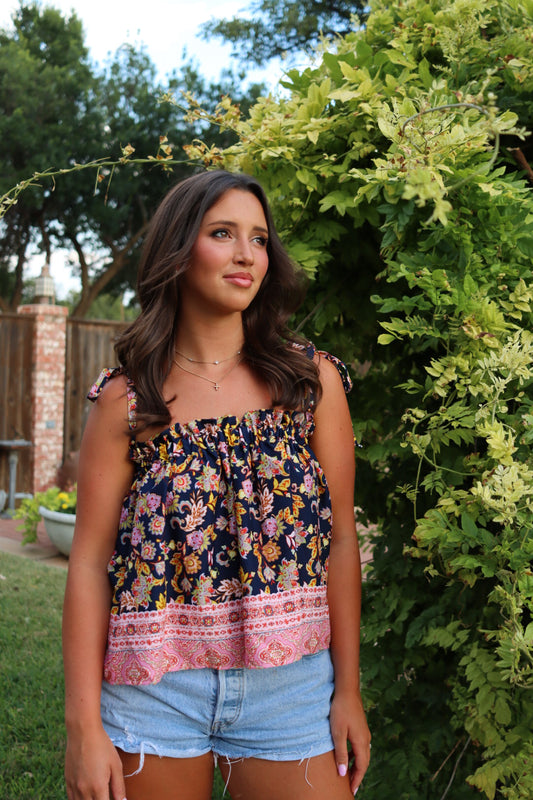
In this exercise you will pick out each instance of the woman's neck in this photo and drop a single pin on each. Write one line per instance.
(209, 343)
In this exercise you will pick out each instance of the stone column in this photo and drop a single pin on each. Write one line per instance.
(48, 391)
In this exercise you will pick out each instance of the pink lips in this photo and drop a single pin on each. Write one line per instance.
(243, 279)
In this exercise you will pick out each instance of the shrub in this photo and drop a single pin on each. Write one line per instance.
(55, 499)
(391, 166)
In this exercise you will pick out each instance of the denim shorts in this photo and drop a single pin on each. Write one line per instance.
(276, 713)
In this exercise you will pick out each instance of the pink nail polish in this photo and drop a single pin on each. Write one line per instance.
(356, 791)
(342, 769)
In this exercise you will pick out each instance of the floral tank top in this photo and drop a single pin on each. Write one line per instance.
(221, 557)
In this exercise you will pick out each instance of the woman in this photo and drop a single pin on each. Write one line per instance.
(218, 621)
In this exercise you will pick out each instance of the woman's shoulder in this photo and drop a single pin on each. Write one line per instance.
(111, 388)
(330, 367)
(112, 379)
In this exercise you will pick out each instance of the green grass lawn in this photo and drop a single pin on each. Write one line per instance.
(32, 733)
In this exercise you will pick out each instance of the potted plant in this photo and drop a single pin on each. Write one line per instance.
(57, 507)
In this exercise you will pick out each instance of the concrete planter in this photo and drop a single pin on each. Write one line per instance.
(59, 527)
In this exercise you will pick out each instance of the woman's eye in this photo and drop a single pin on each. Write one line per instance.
(221, 233)
(261, 240)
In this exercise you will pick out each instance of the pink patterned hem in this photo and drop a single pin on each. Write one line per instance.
(254, 632)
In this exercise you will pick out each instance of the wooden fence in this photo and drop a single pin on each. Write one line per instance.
(89, 349)
(16, 351)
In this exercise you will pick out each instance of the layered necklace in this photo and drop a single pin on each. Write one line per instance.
(216, 384)
(195, 361)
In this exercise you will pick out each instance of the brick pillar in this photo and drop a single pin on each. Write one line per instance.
(48, 391)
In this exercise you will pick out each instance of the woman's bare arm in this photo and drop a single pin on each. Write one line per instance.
(105, 474)
(333, 444)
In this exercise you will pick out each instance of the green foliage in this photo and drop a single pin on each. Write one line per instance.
(108, 307)
(44, 79)
(391, 168)
(54, 499)
(272, 28)
(106, 132)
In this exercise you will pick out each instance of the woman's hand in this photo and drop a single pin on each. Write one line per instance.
(348, 724)
(93, 769)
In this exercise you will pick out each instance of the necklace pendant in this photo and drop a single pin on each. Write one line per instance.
(216, 362)
(217, 387)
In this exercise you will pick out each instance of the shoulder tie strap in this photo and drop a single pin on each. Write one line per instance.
(108, 374)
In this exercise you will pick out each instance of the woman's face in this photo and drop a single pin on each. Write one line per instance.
(229, 258)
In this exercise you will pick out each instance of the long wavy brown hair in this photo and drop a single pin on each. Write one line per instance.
(146, 348)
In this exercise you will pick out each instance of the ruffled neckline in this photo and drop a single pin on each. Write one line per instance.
(200, 425)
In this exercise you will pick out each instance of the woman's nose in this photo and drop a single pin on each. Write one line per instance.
(243, 253)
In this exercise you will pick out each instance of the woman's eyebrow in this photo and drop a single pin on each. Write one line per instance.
(231, 223)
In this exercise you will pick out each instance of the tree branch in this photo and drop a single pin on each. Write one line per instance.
(522, 162)
(91, 290)
(84, 268)
(455, 766)
(16, 297)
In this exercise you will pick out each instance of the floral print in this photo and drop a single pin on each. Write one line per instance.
(222, 551)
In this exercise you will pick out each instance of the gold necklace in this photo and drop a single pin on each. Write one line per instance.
(216, 383)
(194, 361)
